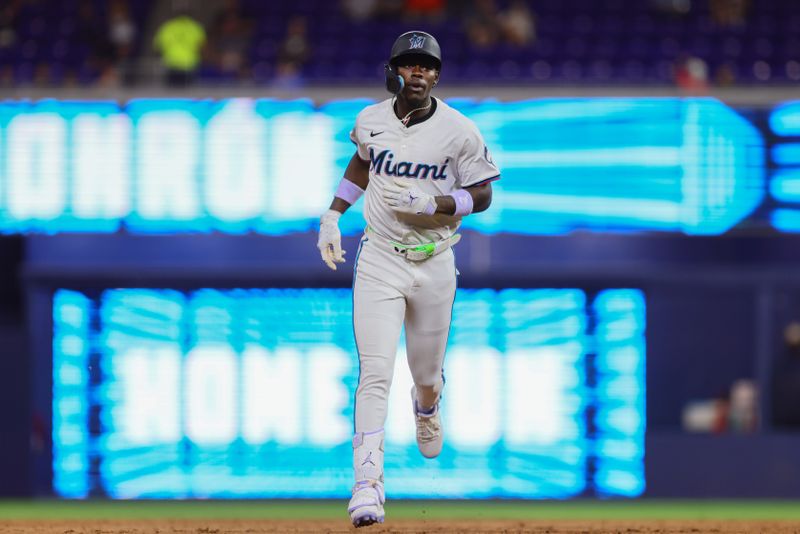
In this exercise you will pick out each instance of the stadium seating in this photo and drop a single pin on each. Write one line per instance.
(578, 42)
(50, 35)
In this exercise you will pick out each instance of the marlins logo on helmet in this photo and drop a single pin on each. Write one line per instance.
(416, 41)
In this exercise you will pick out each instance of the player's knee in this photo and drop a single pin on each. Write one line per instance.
(374, 384)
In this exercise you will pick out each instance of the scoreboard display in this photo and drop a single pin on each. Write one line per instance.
(694, 165)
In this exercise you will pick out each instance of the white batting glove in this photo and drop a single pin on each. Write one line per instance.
(329, 242)
(407, 198)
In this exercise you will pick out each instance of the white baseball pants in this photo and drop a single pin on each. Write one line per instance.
(390, 291)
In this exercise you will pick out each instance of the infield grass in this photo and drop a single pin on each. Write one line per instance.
(515, 510)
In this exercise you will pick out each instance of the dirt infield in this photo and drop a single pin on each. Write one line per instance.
(396, 526)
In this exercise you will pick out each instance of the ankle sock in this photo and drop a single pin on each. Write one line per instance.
(429, 411)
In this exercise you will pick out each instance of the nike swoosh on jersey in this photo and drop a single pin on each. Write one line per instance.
(373, 134)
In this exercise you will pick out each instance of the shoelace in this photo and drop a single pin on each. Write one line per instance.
(428, 427)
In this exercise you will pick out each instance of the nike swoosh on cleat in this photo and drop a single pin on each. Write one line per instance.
(373, 134)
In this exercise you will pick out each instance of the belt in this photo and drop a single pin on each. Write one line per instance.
(417, 252)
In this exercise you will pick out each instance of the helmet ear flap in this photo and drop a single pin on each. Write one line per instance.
(394, 82)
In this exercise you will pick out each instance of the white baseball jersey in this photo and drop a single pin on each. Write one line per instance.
(441, 154)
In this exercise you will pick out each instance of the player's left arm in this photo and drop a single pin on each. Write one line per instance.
(475, 171)
(481, 195)
(406, 197)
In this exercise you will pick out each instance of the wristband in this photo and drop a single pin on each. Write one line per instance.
(463, 202)
(348, 191)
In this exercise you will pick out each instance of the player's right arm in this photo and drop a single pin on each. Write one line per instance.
(357, 172)
(352, 186)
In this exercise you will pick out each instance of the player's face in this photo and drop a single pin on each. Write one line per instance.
(419, 74)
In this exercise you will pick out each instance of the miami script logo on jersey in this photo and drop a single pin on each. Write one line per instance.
(416, 41)
(382, 163)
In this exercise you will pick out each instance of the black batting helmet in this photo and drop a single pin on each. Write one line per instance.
(416, 43)
(410, 43)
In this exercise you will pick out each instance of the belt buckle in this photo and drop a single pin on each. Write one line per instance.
(425, 250)
(428, 249)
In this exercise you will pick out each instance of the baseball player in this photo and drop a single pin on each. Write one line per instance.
(423, 166)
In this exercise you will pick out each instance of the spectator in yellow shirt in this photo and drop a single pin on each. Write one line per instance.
(180, 41)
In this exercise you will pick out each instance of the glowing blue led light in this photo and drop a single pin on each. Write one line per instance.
(240, 165)
(699, 171)
(785, 185)
(620, 422)
(722, 167)
(786, 219)
(626, 482)
(71, 331)
(224, 394)
(786, 154)
(785, 119)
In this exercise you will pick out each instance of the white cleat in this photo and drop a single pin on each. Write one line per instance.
(366, 504)
(430, 435)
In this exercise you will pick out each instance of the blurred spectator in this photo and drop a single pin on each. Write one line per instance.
(706, 416)
(6, 76)
(786, 380)
(793, 70)
(517, 23)
(9, 14)
(229, 40)
(231, 9)
(389, 9)
(94, 39)
(725, 75)
(180, 41)
(743, 407)
(70, 78)
(425, 9)
(691, 75)
(481, 24)
(673, 8)
(122, 34)
(729, 13)
(360, 10)
(295, 48)
(42, 75)
(121, 29)
(287, 76)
